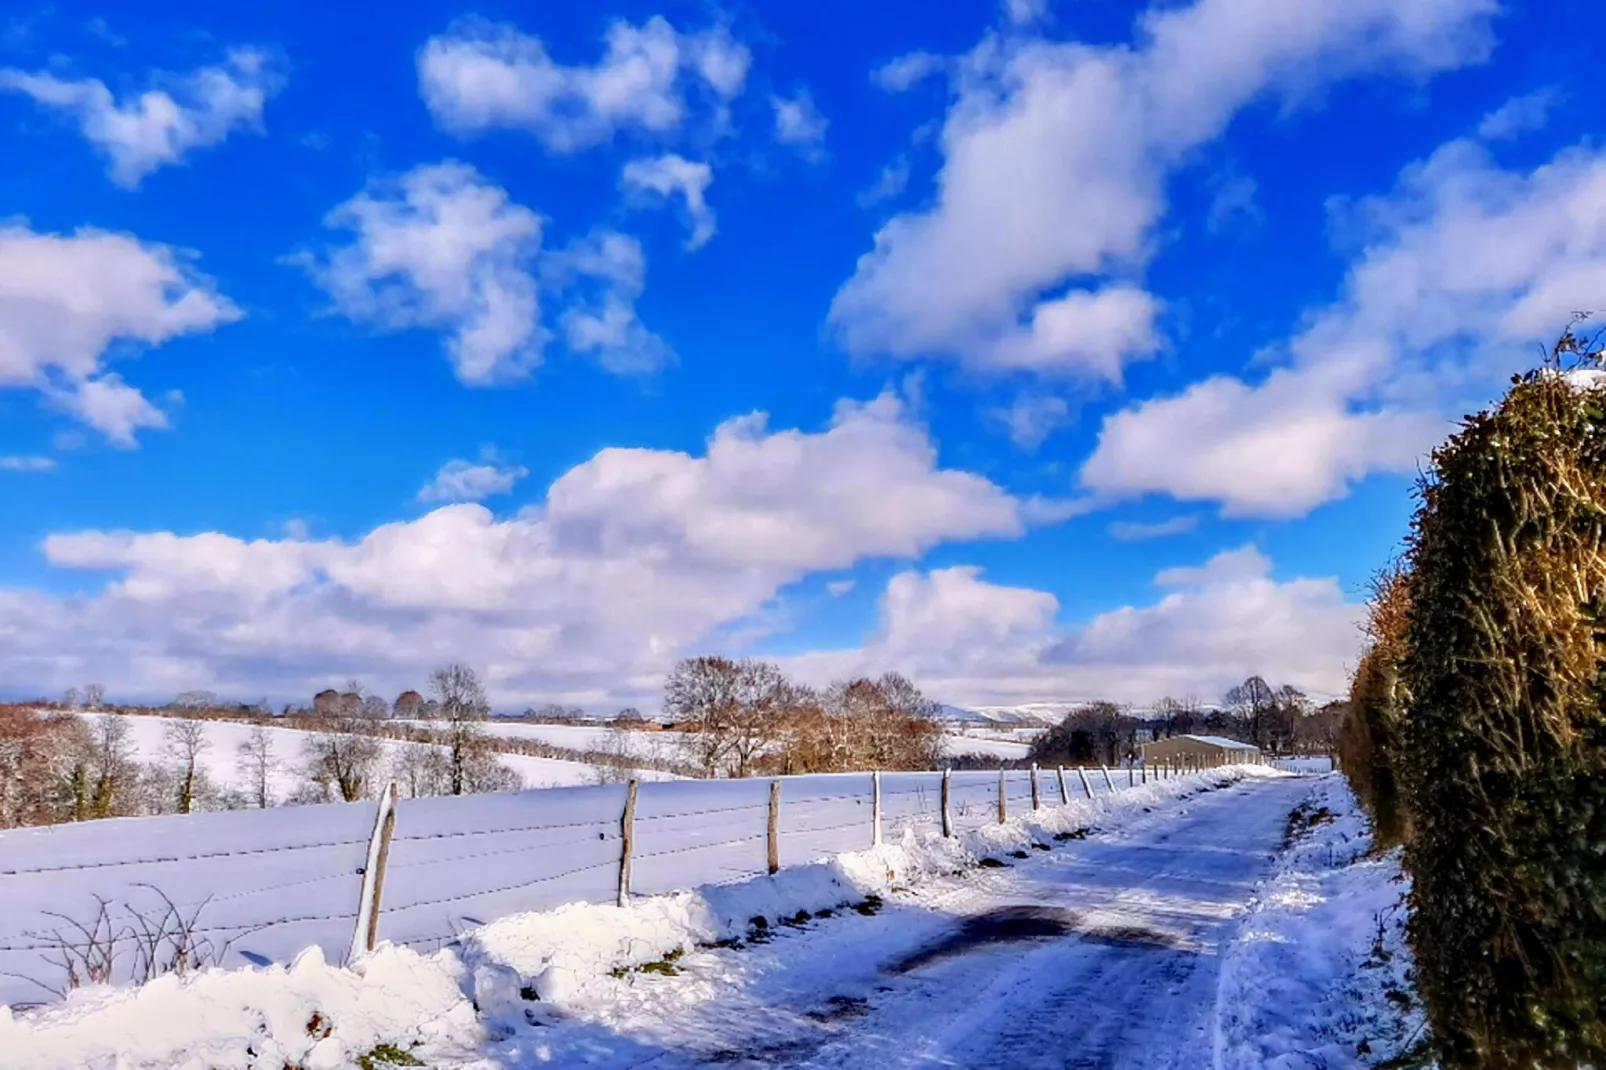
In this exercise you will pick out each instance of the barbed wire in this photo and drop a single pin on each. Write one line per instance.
(169, 859)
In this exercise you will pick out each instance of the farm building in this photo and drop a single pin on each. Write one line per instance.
(1199, 751)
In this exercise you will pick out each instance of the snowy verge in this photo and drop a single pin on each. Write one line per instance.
(1318, 973)
(441, 1008)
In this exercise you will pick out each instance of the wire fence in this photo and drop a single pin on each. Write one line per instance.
(260, 886)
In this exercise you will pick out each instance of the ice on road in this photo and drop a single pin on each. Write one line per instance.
(1100, 953)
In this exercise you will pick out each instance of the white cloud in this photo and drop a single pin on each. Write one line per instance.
(113, 408)
(1032, 417)
(968, 641)
(159, 126)
(442, 247)
(1136, 531)
(838, 588)
(24, 463)
(64, 300)
(636, 556)
(798, 122)
(481, 75)
(1461, 271)
(1056, 156)
(673, 175)
(1025, 12)
(1520, 115)
(908, 70)
(605, 273)
(890, 182)
(1085, 332)
(467, 481)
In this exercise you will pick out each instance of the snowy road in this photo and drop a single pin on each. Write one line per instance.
(1102, 953)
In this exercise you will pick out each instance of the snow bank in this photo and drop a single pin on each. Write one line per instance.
(442, 1007)
(1319, 972)
(309, 1015)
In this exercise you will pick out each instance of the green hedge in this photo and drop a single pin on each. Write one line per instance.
(1504, 741)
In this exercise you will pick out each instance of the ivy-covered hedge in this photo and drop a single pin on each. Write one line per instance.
(1504, 733)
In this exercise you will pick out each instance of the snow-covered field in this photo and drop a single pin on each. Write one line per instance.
(945, 968)
(639, 744)
(1319, 972)
(220, 758)
(956, 744)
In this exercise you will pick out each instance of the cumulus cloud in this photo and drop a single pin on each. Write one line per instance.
(141, 133)
(65, 299)
(469, 481)
(972, 642)
(671, 176)
(908, 70)
(634, 557)
(442, 247)
(1055, 160)
(481, 75)
(1462, 269)
(798, 122)
(603, 274)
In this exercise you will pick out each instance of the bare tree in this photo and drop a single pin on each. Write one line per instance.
(730, 710)
(1253, 700)
(196, 700)
(257, 760)
(373, 708)
(94, 696)
(70, 698)
(472, 765)
(342, 763)
(407, 704)
(184, 742)
(105, 775)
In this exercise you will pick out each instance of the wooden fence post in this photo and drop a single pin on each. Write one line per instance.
(947, 820)
(1036, 799)
(1065, 796)
(373, 876)
(1003, 807)
(875, 808)
(1107, 781)
(775, 826)
(627, 836)
(1085, 785)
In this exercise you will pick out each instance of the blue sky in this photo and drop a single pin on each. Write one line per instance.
(1099, 344)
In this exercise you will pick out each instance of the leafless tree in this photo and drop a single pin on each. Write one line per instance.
(257, 760)
(1253, 701)
(196, 700)
(407, 704)
(730, 710)
(105, 775)
(71, 699)
(472, 765)
(342, 764)
(184, 742)
(94, 696)
(41, 766)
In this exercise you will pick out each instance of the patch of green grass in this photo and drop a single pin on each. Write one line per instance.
(387, 1055)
